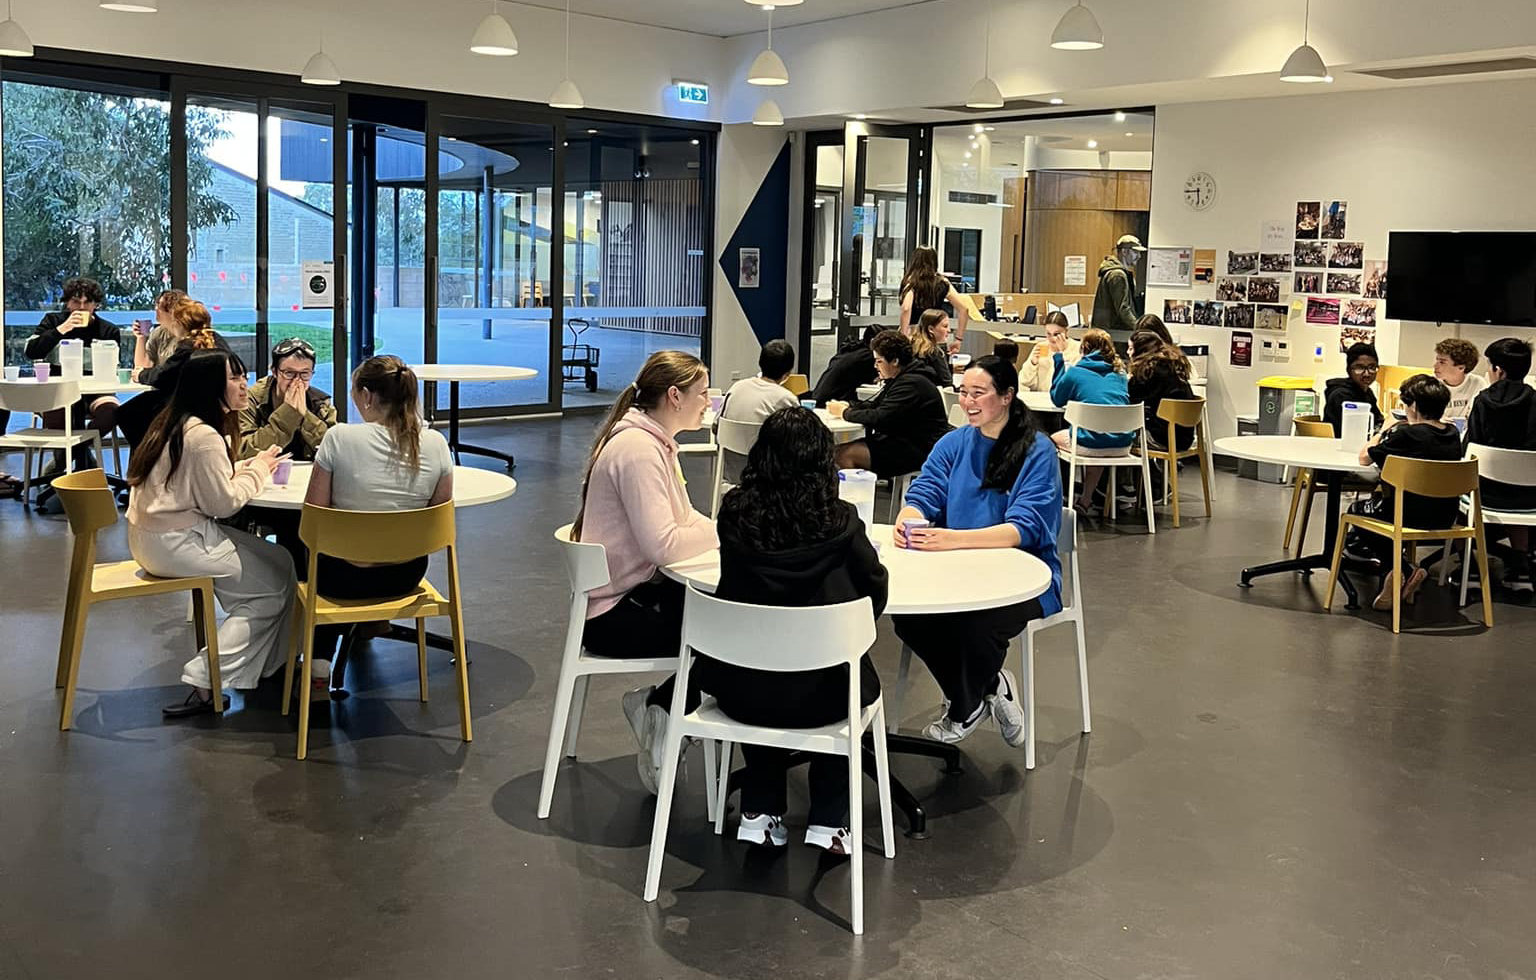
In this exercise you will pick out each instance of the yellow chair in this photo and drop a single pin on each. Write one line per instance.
(1190, 414)
(1427, 478)
(1313, 427)
(1390, 378)
(798, 384)
(90, 507)
(378, 537)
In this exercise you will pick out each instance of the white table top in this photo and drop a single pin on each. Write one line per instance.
(1040, 401)
(92, 385)
(923, 582)
(470, 487)
(866, 392)
(840, 427)
(1306, 451)
(472, 372)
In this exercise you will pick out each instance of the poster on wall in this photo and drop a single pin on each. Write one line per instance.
(1321, 310)
(1274, 236)
(1171, 266)
(1242, 263)
(1276, 261)
(1333, 219)
(1311, 255)
(1267, 316)
(1207, 314)
(1205, 265)
(1374, 283)
(1308, 282)
(1178, 311)
(319, 280)
(1347, 283)
(1308, 218)
(1238, 316)
(1346, 255)
(1242, 350)
(1263, 289)
(750, 271)
(1074, 270)
(1231, 289)
(1349, 336)
(1358, 313)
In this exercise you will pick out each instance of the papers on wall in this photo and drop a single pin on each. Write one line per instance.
(1070, 311)
(1074, 270)
(1275, 236)
(1171, 266)
(1242, 350)
(1205, 265)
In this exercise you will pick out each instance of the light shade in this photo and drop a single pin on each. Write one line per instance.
(768, 114)
(1078, 30)
(775, 3)
(494, 37)
(320, 70)
(567, 96)
(768, 69)
(984, 95)
(131, 6)
(14, 42)
(1305, 65)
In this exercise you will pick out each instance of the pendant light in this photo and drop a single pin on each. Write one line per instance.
(768, 68)
(14, 42)
(320, 69)
(775, 3)
(135, 7)
(1078, 30)
(985, 94)
(494, 35)
(768, 114)
(1305, 64)
(566, 94)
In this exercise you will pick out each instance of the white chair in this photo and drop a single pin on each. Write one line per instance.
(951, 400)
(957, 417)
(780, 639)
(32, 397)
(1071, 612)
(1107, 418)
(1513, 466)
(707, 447)
(735, 437)
(899, 487)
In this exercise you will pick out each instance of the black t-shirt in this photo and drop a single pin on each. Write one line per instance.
(929, 296)
(1420, 440)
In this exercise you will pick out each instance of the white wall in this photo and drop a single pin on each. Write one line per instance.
(746, 153)
(1450, 157)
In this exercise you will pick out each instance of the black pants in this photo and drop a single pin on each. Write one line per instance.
(102, 418)
(964, 651)
(344, 580)
(647, 622)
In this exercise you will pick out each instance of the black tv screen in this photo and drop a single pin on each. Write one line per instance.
(1462, 277)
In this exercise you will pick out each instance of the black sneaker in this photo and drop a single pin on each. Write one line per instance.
(193, 705)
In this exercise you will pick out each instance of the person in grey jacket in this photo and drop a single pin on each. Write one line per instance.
(1114, 301)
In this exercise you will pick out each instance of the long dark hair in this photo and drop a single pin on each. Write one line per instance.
(922, 274)
(1019, 432)
(393, 382)
(788, 491)
(199, 395)
(1152, 353)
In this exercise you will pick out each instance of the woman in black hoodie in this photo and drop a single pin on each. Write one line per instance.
(787, 540)
(1360, 362)
(1158, 370)
(903, 421)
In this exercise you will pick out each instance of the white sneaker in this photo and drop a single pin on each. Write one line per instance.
(1007, 710)
(762, 829)
(833, 840)
(643, 721)
(949, 731)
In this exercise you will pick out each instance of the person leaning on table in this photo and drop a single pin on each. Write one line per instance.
(78, 321)
(1039, 367)
(902, 421)
(285, 410)
(993, 484)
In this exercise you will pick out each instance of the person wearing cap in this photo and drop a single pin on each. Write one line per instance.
(1114, 301)
(284, 410)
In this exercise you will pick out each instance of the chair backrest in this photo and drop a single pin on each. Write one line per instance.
(585, 562)
(1513, 466)
(738, 437)
(379, 536)
(30, 396)
(1390, 378)
(1029, 313)
(956, 417)
(798, 384)
(1105, 418)
(1066, 538)
(1313, 428)
(1181, 411)
(87, 501)
(778, 638)
(951, 400)
(1430, 477)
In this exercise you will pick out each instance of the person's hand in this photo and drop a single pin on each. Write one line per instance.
(77, 319)
(1039, 353)
(269, 458)
(933, 539)
(297, 396)
(836, 408)
(1058, 343)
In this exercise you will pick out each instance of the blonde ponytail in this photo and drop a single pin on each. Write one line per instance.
(393, 382)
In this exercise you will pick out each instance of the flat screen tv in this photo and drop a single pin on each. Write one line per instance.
(1462, 277)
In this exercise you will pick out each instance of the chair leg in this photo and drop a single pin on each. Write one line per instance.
(1146, 479)
(1466, 572)
(1027, 672)
(899, 692)
(1482, 569)
(421, 657)
(710, 789)
(26, 478)
(1205, 475)
(295, 628)
(856, 831)
(75, 637)
(304, 686)
(1171, 484)
(1306, 513)
(565, 689)
(1397, 582)
(1296, 490)
(1333, 569)
(72, 604)
(461, 668)
(578, 705)
(883, 782)
(204, 600)
(722, 784)
(663, 812)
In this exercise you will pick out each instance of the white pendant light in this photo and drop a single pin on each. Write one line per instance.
(566, 94)
(320, 69)
(135, 7)
(985, 94)
(14, 42)
(494, 35)
(768, 114)
(1305, 64)
(768, 68)
(775, 3)
(1078, 30)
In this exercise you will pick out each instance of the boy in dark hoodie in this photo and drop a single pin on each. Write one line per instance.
(1360, 362)
(851, 366)
(1504, 416)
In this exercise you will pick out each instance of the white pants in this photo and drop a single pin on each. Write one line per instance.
(254, 582)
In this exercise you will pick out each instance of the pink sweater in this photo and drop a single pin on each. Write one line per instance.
(205, 485)
(638, 510)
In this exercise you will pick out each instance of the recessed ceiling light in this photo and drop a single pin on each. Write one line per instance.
(989, 128)
(1119, 117)
(979, 127)
(860, 116)
(967, 154)
(1057, 101)
(591, 132)
(1130, 134)
(696, 142)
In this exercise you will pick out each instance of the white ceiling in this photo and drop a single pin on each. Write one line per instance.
(718, 18)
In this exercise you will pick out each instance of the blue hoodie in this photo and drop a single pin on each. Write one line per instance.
(1095, 381)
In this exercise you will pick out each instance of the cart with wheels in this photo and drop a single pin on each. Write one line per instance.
(578, 361)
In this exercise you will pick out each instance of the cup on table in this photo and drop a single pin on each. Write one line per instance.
(125, 375)
(913, 524)
(40, 370)
(143, 327)
(282, 473)
(808, 403)
(13, 372)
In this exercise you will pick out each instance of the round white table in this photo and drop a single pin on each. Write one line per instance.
(91, 384)
(1328, 458)
(456, 373)
(471, 487)
(866, 392)
(1040, 402)
(842, 430)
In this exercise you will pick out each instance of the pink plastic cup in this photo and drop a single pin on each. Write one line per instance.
(283, 471)
(40, 370)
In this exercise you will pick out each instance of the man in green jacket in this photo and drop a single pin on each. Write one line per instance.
(283, 409)
(1114, 301)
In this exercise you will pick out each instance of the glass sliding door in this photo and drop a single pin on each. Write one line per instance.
(884, 217)
(224, 147)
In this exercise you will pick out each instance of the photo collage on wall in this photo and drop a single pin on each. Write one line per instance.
(1327, 262)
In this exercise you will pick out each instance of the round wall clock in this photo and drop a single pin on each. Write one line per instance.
(1200, 191)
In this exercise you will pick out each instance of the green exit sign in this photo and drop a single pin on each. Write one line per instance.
(693, 93)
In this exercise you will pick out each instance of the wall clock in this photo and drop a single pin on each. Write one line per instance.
(1200, 191)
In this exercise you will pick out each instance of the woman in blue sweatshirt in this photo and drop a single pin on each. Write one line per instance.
(1098, 378)
(993, 484)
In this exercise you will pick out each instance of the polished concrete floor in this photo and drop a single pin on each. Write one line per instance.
(1270, 791)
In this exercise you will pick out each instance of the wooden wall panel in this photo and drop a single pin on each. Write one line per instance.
(1010, 253)
(1072, 212)
(1133, 190)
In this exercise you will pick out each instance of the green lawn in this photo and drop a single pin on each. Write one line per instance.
(319, 337)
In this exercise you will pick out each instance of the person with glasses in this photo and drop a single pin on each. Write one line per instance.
(285, 410)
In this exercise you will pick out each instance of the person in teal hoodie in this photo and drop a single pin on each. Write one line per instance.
(1098, 378)
(994, 483)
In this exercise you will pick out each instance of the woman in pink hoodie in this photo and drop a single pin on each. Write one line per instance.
(634, 504)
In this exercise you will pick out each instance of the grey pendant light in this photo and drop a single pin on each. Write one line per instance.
(14, 42)
(135, 7)
(985, 94)
(768, 114)
(494, 36)
(320, 69)
(566, 95)
(768, 68)
(775, 3)
(1305, 64)
(1078, 30)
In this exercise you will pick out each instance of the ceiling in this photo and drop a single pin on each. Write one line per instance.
(718, 18)
(1001, 146)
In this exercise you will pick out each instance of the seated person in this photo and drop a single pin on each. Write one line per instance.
(1008, 350)
(193, 326)
(634, 504)
(285, 411)
(992, 484)
(1422, 435)
(1158, 370)
(787, 540)
(1360, 362)
(754, 399)
(185, 479)
(1454, 360)
(77, 321)
(851, 366)
(903, 421)
(1504, 417)
(1154, 323)
(930, 343)
(1038, 370)
(1098, 378)
(154, 346)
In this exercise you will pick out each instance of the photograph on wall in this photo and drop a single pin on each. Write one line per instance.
(1207, 314)
(1358, 313)
(1238, 316)
(1178, 311)
(1263, 289)
(1242, 263)
(1169, 266)
(1242, 350)
(1373, 284)
(1308, 282)
(1205, 265)
(1268, 316)
(1308, 218)
(1274, 236)
(750, 274)
(1274, 261)
(1311, 255)
(1231, 289)
(1346, 255)
(1349, 336)
(1333, 219)
(1347, 283)
(1320, 310)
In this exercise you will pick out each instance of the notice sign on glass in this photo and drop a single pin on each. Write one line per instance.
(317, 284)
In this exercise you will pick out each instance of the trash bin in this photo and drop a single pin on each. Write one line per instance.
(1278, 404)
(1247, 425)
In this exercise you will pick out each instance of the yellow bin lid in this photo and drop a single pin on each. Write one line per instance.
(1287, 382)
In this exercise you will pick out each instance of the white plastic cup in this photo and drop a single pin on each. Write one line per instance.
(13, 372)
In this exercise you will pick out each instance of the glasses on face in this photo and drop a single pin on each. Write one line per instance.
(288, 375)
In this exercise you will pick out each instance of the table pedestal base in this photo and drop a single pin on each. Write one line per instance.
(1323, 561)
(458, 447)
